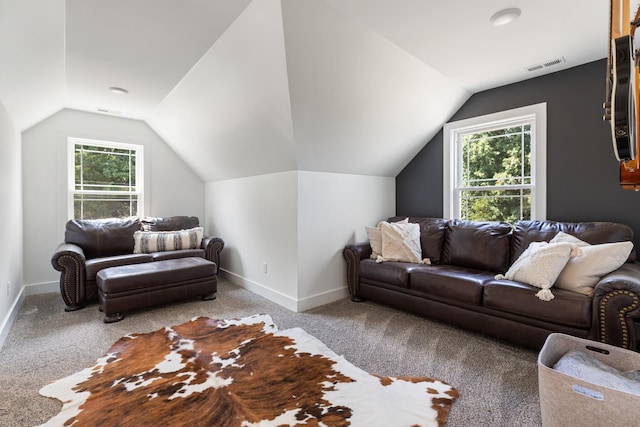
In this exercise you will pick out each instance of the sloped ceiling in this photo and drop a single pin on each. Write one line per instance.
(242, 88)
(32, 59)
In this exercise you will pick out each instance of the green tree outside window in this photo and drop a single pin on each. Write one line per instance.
(496, 175)
(105, 183)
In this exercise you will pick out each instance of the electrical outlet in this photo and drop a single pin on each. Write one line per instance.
(264, 267)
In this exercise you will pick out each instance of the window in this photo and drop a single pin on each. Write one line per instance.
(105, 179)
(495, 166)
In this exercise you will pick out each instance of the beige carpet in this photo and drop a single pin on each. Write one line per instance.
(497, 381)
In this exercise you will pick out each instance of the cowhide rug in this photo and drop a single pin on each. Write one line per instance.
(240, 372)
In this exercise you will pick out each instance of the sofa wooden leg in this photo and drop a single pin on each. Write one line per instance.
(73, 307)
(209, 297)
(113, 318)
(356, 298)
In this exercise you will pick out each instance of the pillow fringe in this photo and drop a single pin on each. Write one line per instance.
(545, 294)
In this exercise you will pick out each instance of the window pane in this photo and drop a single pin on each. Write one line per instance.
(92, 206)
(497, 157)
(104, 169)
(495, 205)
(104, 179)
(498, 151)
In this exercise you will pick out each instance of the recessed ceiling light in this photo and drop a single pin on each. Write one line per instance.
(118, 90)
(505, 16)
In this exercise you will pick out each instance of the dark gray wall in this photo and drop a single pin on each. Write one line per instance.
(582, 171)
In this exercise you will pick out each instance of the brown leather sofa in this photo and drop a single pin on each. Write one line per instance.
(93, 245)
(459, 287)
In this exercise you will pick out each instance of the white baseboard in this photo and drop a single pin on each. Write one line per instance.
(282, 299)
(42, 288)
(260, 289)
(322, 298)
(34, 289)
(11, 316)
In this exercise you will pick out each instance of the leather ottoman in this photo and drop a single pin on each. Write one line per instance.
(132, 287)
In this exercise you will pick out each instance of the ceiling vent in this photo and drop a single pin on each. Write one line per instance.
(108, 111)
(546, 64)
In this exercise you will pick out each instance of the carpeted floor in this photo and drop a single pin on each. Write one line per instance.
(497, 381)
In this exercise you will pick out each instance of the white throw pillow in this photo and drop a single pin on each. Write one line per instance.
(159, 241)
(375, 238)
(401, 242)
(375, 241)
(539, 266)
(565, 237)
(582, 273)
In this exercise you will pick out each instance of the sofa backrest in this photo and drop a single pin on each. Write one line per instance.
(477, 244)
(102, 237)
(114, 236)
(171, 223)
(594, 233)
(494, 246)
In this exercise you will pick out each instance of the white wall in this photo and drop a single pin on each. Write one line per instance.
(11, 219)
(297, 222)
(171, 187)
(333, 210)
(257, 219)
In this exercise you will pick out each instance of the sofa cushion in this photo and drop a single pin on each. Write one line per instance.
(158, 241)
(102, 237)
(171, 223)
(432, 232)
(93, 266)
(567, 308)
(450, 283)
(479, 245)
(390, 273)
(593, 233)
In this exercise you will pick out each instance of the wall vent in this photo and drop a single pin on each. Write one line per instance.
(545, 64)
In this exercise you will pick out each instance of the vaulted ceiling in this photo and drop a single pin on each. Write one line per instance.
(247, 87)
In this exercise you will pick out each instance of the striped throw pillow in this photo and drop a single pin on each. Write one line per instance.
(159, 241)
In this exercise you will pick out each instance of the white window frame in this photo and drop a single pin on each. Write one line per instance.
(536, 115)
(139, 188)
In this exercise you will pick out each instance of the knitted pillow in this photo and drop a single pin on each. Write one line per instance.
(540, 265)
(159, 241)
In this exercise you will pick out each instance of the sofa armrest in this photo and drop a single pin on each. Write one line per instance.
(616, 304)
(212, 247)
(353, 254)
(69, 259)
